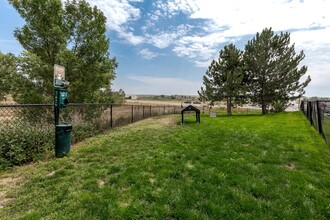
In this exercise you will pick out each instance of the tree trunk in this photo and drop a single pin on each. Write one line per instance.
(228, 105)
(264, 108)
(263, 96)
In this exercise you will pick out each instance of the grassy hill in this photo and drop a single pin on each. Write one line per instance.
(240, 167)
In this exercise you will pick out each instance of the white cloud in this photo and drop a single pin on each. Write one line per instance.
(316, 46)
(201, 49)
(184, 6)
(164, 39)
(203, 63)
(224, 19)
(195, 51)
(310, 39)
(147, 54)
(220, 22)
(119, 13)
(234, 19)
(247, 17)
(130, 37)
(171, 8)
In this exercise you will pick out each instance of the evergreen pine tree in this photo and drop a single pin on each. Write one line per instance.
(224, 77)
(272, 67)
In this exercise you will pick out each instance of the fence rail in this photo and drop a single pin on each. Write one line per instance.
(27, 130)
(318, 114)
(99, 116)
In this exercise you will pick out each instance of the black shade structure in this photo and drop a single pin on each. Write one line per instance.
(190, 108)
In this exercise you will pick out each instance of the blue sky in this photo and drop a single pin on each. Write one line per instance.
(165, 46)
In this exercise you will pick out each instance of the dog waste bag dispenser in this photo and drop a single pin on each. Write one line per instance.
(62, 130)
(61, 98)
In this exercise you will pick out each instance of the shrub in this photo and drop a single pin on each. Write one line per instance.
(24, 144)
(82, 130)
(121, 121)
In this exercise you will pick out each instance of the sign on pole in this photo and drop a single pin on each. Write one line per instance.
(59, 74)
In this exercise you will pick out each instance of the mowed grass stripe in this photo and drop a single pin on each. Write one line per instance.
(239, 167)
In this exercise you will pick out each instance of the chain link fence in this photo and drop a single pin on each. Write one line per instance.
(318, 114)
(27, 131)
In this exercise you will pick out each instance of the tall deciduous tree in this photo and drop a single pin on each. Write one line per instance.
(272, 66)
(224, 78)
(33, 80)
(88, 56)
(7, 71)
(74, 36)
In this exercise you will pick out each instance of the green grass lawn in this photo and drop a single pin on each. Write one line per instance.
(240, 167)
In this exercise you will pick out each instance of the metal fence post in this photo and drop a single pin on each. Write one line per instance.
(56, 115)
(309, 112)
(319, 118)
(110, 116)
(132, 114)
(150, 111)
(142, 111)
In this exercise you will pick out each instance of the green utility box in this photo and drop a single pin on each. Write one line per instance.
(61, 98)
(63, 139)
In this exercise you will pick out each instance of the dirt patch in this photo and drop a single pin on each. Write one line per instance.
(152, 180)
(290, 166)
(7, 184)
(155, 123)
(101, 183)
(124, 203)
(4, 202)
(165, 121)
(7, 181)
(51, 173)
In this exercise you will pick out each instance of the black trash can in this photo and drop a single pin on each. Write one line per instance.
(62, 139)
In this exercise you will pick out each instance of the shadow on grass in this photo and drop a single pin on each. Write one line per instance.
(272, 114)
(188, 123)
(234, 115)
